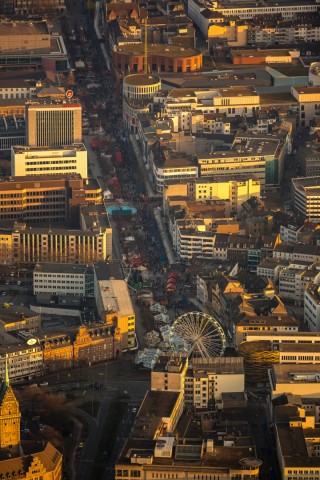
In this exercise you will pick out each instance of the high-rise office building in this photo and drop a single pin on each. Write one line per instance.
(53, 124)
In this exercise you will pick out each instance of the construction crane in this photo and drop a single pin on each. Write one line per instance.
(146, 45)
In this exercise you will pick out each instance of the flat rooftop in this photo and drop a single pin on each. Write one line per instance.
(108, 270)
(296, 336)
(15, 314)
(95, 217)
(219, 365)
(309, 186)
(64, 268)
(157, 49)
(115, 297)
(275, 98)
(141, 79)
(52, 103)
(23, 28)
(158, 404)
(284, 373)
(251, 148)
(261, 3)
(242, 91)
(307, 90)
(260, 53)
(39, 152)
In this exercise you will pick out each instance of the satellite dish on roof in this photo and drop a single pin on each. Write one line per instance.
(32, 341)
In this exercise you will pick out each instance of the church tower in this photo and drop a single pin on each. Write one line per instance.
(9, 415)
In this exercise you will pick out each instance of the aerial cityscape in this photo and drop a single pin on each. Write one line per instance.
(160, 239)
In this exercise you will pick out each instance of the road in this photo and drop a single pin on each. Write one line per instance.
(263, 437)
(136, 391)
(120, 437)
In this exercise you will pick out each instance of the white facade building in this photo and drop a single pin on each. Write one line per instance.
(271, 268)
(63, 279)
(138, 90)
(306, 196)
(24, 361)
(232, 101)
(229, 9)
(48, 161)
(210, 378)
(312, 307)
(309, 103)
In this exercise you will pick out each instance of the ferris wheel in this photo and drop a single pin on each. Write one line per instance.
(197, 334)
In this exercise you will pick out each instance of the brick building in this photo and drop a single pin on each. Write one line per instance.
(161, 58)
(80, 347)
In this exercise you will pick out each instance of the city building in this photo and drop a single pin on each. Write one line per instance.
(165, 442)
(49, 161)
(76, 347)
(294, 279)
(261, 157)
(53, 123)
(233, 101)
(24, 361)
(312, 307)
(57, 352)
(63, 279)
(271, 268)
(286, 337)
(167, 164)
(249, 12)
(15, 88)
(71, 159)
(161, 58)
(46, 198)
(96, 344)
(309, 101)
(297, 253)
(15, 320)
(12, 131)
(203, 383)
(137, 91)
(204, 188)
(284, 32)
(27, 7)
(259, 355)
(300, 380)
(258, 57)
(297, 437)
(18, 36)
(305, 196)
(235, 33)
(90, 241)
(26, 460)
(308, 157)
(209, 379)
(282, 324)
(29, 45)
(114, 302)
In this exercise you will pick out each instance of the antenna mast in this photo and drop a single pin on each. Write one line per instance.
(146, 45)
